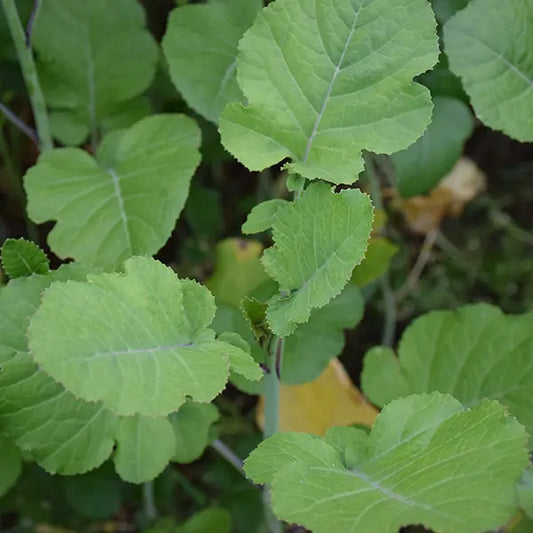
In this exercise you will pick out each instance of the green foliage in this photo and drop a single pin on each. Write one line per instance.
(444, 9)
(319, 239)
(23, 258)
(92, 56)
(212, 520)
(313, 344)
(123, 203)
(192, 426)
(140, 342)
(421, 166)
(10, 465)
(426, 461)
(496, 69)
(525, 492)
(200, 46)
(325, 81)
(473, 353)
(379, 254)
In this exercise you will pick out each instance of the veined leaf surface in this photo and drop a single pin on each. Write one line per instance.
(426, 461)
(326, 79)
(140, 342)
(473, 353)
(23, 258)
(125, 202)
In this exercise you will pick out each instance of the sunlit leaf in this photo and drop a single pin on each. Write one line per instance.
(139, 342)
(325, 80)
(473, 353)
(426, 461)
(123, 203)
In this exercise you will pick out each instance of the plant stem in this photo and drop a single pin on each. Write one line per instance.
(272, 420)
(227, 453)
(18, 123)
(149, 500)
(27, 64)
(389, 318)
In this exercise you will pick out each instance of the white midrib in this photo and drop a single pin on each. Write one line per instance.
(120, 200)
(338, 67)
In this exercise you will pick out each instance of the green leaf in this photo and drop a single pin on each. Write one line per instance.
(421, 166)
(144, 447)
(192, 430)
(310, 348)
(378, 256)
(525, 491)
(238, 270)
(23, 258)
(92, 56)
(200, 46)
(325, 80)
(473, 353)
(444, 9)
(10, 465)
(496, 69)
(426, 461)
(318, 239)
(211, 520)
(122, 204)
(260, 217)
(63, 434)
(137, 342)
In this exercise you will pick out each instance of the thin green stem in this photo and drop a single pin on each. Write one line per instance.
(27, 64)
(272, 419)
(149, 500)
(229, 455)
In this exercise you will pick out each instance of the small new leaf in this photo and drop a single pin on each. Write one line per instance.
(124, 203)
(23, 258)
(138, 342)
(318, 239)
(421, 450)
(325, 80)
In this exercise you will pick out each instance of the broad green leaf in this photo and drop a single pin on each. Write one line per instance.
(421, 166)
(63, 434)
(488, 44)
(238, 270)
(92, 56)
(192, 430)
(473, 353)
(310, 348)
(260, 217)
(325, 80)
(10, 464)
(138, 342)
(378, 256)
(69, 126)
(211, 520)
(318, 239)
(525, 491)
(144, 447)
(23, 258)
(200, 46)
(426, 461)
(124, 203)
(95, 495)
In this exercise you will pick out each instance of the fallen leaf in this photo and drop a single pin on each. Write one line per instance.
(330, 400)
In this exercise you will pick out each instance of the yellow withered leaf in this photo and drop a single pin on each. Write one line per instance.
(330, 400)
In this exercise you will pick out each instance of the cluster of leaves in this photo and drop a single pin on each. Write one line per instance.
(113, 356)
